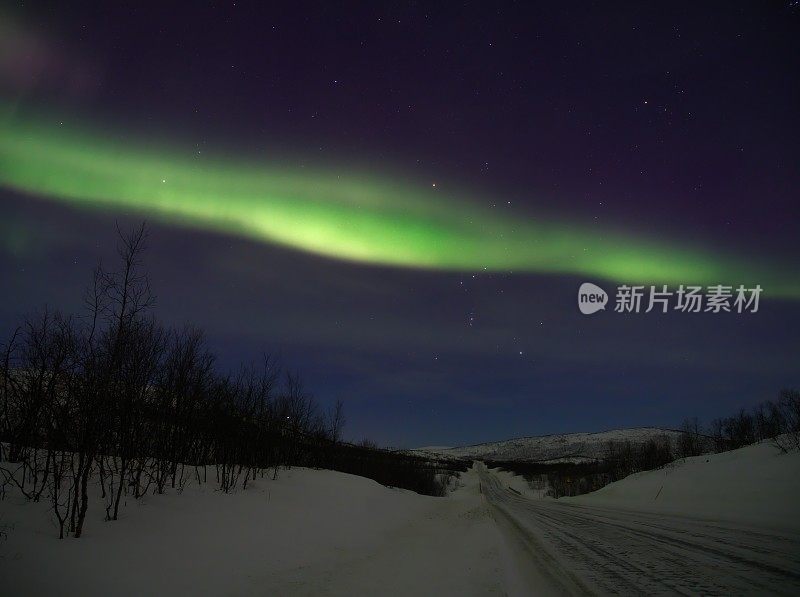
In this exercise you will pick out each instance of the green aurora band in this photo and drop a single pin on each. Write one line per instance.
(357, 218)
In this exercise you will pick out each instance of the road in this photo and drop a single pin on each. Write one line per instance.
(565, 548)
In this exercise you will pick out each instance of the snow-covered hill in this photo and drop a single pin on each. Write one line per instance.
(568, 447)
(756, 485)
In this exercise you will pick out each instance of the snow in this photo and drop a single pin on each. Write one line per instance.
(314, 532)
(518, 484)
(309, 531)
(568, 447)
(569, 547)
(755, 485)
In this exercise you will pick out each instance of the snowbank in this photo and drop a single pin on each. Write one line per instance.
(755, 485)
(308, 532)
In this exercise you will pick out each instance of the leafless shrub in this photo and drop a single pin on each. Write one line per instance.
(117, 398)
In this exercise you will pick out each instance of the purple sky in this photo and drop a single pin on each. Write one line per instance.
(674, 120)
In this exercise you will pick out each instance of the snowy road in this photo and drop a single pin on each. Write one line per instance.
(577, 549)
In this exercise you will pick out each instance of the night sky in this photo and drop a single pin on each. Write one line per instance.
(401, 200)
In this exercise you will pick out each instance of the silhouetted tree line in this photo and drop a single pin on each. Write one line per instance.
(559, 479)
(776, 421)
(115, 398)
(390, 467)
(621, 459)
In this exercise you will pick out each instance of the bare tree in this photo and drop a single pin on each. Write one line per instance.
(115, 398)
(337, 421)
(787, 412)
(690, 440)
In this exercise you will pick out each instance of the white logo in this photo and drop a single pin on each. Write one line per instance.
(591, 298)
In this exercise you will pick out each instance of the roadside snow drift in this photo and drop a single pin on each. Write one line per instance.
(756, 484)
(309, 532)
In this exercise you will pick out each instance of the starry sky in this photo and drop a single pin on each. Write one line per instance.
(402, 199)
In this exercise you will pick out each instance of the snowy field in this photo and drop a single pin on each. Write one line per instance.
(309, 532)
(717, 524)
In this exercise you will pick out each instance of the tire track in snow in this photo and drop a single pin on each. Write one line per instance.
(607, 550)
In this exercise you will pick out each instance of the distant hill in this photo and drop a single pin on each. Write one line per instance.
(567, 447)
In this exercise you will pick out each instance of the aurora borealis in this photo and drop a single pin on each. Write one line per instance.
(401, 200)
(350, 216)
